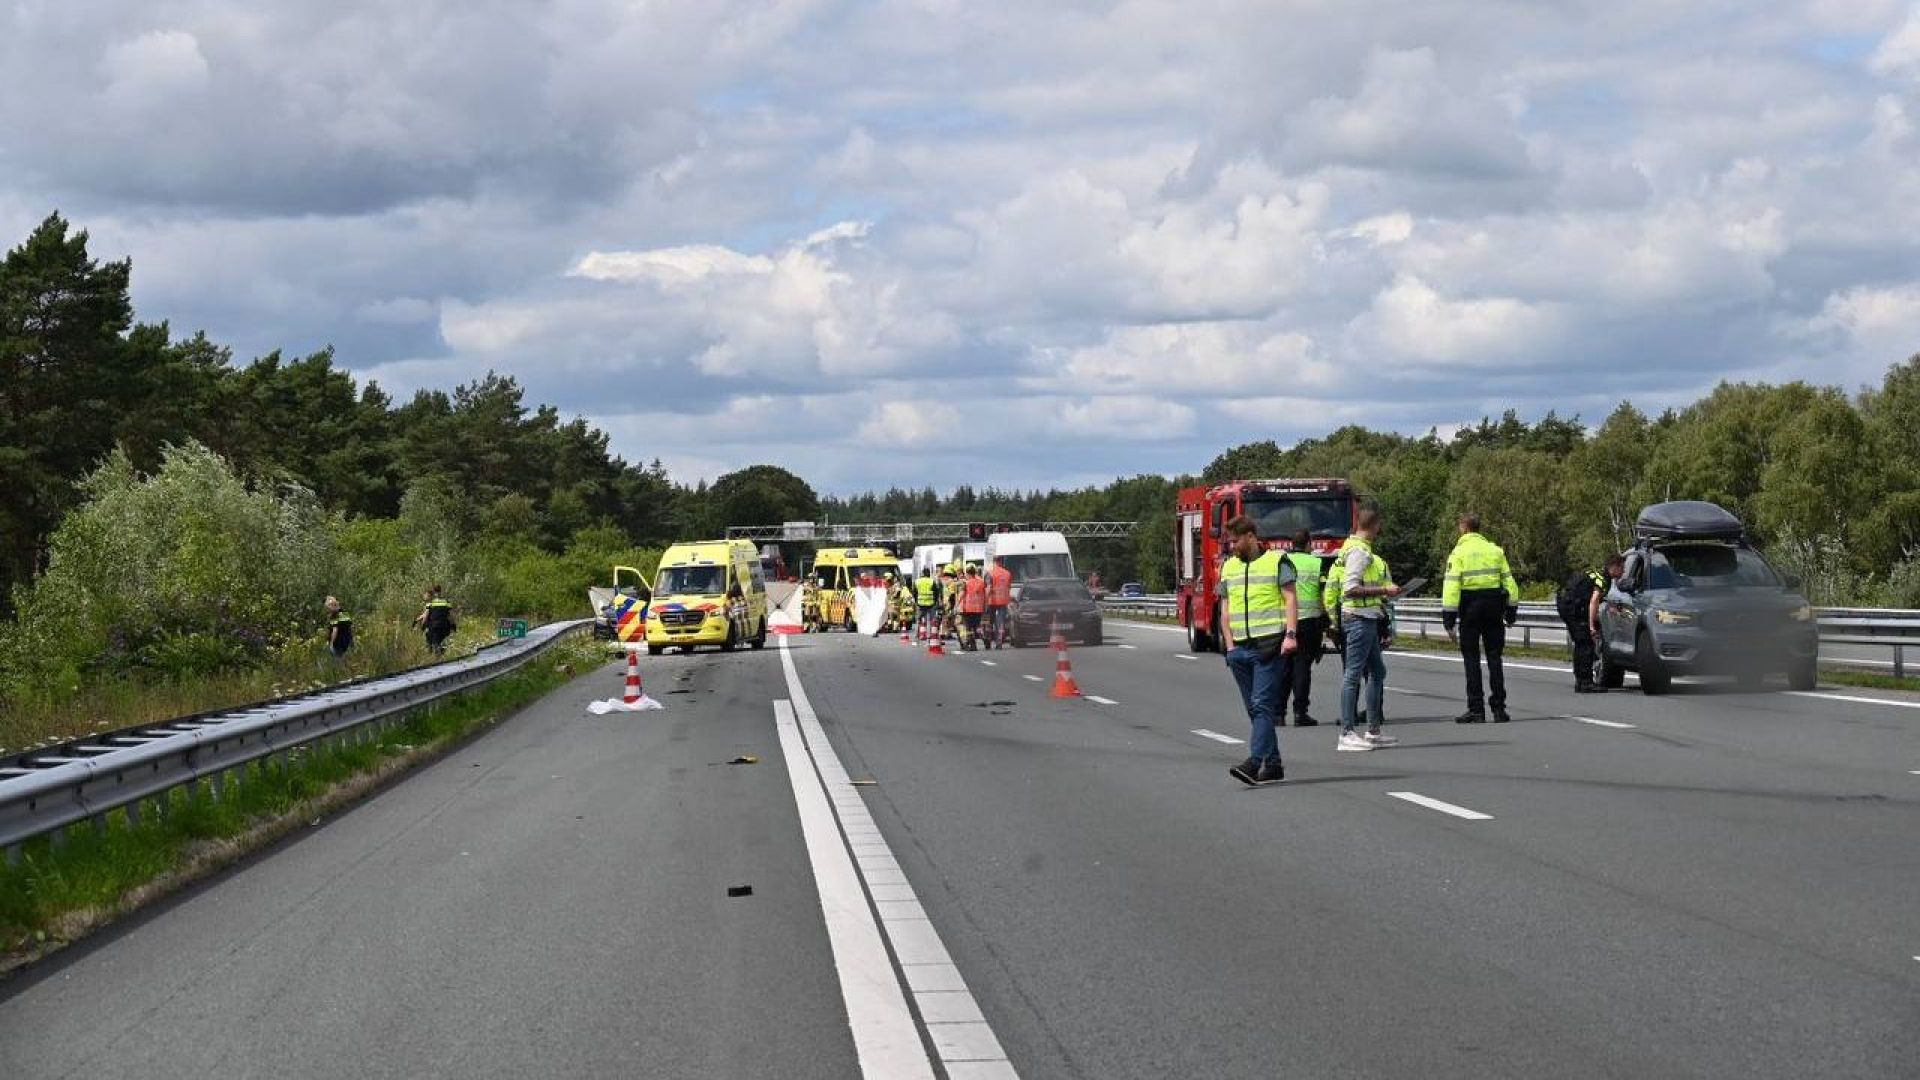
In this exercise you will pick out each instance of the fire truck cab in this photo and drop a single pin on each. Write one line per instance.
(1279, 508)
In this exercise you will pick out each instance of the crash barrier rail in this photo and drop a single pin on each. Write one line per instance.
(1894, 629)
(43, 792)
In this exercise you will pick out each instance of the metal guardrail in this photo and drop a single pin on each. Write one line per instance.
(1889, 628)
(43, 792)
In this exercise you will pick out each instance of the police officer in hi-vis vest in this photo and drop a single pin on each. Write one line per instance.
(1313, 630)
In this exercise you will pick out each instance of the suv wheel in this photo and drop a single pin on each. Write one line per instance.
(1654, 678)
(1804, 675)
(1612, 675)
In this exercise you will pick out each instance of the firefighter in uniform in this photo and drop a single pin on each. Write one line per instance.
(1579, 606)
(1481, 598)
(1261, 631)
(1313, 627)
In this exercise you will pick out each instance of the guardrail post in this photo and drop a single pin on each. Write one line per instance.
(1899, 661)
(1526, 637)
(13, 854)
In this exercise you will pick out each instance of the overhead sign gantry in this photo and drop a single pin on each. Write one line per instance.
(931, 532)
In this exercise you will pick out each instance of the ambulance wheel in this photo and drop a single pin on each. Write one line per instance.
(733, 639)
(655, 650)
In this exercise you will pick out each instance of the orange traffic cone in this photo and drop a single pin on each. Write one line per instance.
(906, 638)
(1063, 684)
(934, 648)
(634, 691)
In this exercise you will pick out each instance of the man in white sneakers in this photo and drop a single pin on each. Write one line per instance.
(1365, 587)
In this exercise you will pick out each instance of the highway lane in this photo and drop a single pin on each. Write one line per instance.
(1723, 889)
(550, 900)
(1708, 884)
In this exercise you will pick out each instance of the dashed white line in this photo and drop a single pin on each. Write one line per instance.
(1129, 646)
(1101, 700)
(1033, 678)
(885, 1036)
(1444, 807)
(1602, 723)
(1215, 736)
(989, 663)
(1186, 656)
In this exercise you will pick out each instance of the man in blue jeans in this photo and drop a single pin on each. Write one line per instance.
(1262, 620)
(1366, 586)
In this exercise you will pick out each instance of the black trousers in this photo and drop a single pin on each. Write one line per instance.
(1299, 681)
(1483, 629)
(1580, 636)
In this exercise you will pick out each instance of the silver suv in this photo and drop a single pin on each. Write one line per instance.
(1697, 599)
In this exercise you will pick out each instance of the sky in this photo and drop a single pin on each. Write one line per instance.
(996, 243)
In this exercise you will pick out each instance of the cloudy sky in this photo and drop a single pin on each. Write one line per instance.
(1015, 243)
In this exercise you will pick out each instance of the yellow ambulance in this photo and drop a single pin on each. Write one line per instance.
(708, 592)
(836, 572)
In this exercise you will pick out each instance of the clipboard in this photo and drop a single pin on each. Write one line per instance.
(1412, 587)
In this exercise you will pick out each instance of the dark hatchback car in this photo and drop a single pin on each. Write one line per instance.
(1043, 601)
(1697, 599)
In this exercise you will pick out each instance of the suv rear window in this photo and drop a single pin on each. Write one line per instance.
(1679, 566)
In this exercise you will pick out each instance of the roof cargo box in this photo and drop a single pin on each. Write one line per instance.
(1687, 520)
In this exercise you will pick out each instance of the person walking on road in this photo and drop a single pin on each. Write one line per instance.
(1579, 606)
(1261, 628)
(1481, 598)
(437, 620)
(973, 605)
(339, 629)
(1313, 627)
(926, 598)
(1366, 584)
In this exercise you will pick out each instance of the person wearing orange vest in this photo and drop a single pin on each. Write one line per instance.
(999, 604)
(973, 604)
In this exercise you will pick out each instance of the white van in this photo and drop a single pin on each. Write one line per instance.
(932, 557)
(1030, 555)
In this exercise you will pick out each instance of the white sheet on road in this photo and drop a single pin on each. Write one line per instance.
(784, 603)
(869, 609)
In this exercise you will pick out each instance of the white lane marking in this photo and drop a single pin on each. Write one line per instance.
(1914, 772)
(989, 663)
(1129, 646)
(1558, 669)
(1602, 723)
(1163, 627)
(1856, 699)
(1033, 678)
(1444, 807)
(1101, 700)
(1185, 656)
(884, 1033)
(1215, 736)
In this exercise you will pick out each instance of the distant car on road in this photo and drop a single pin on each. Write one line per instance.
(1044, 601)
(1697, 599)
(1133, 589)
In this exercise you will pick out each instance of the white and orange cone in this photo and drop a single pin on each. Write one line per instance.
(634, 699)
(934, 648)
(1063, 684)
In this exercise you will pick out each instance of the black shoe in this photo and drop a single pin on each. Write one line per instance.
(1500, 716)
(1471, 717)
(1305, 721)
(1590, 688)
(1247, 772)
(1271, 773)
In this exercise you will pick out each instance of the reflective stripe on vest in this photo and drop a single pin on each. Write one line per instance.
(1307, 590)
(1476, 564)
(1373, 576)
(1256, 608)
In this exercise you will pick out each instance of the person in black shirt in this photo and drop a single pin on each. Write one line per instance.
(339, 629)
(437, 619)
(1579, 606)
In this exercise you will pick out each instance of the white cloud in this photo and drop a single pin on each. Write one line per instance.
(1412, 320)
(1899, 52)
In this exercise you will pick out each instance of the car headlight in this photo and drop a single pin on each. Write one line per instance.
(1671, 618)
(1803, 613)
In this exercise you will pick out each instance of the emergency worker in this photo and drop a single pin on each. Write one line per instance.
(1313, 627)
(1481, 599)
(339, 629)
(437, 620)
(810, 618)
(1361, 584)
(926, 599)
(1259, 632)
(973, 605)
(999, 603)
(1579, 606)
(949, 599)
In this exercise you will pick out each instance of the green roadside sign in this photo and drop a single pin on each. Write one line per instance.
(511, 628)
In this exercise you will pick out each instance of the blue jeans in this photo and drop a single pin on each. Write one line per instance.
(1363, 661)
(1259, 682)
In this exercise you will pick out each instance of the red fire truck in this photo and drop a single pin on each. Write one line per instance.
(1279, 508)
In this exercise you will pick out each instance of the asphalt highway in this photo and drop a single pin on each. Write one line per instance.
(1716, 883)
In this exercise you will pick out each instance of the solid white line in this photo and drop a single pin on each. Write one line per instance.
(1855, 699)
(1601, 723)
(1444, 807)
(1101, 700)
(1033, 678)
(1914, 772)
(1441, 658)
(1185, 656)
(1215, 736)
(873, 993)
(1163, 627)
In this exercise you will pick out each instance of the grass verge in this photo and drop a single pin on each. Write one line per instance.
(57, 894)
